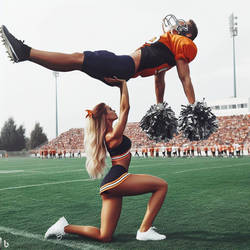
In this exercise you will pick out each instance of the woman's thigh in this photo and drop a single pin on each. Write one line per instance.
(137, 184)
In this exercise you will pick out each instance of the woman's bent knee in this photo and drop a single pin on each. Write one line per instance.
(163, 185)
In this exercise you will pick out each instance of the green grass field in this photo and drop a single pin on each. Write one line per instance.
(207, 206)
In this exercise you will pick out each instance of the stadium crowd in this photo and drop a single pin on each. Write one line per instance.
(231, 139)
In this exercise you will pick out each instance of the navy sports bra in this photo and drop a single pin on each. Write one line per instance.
(122, 150)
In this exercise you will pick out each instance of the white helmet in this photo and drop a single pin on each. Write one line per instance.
(170, 23)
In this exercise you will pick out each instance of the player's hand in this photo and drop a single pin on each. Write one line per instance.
(114, 81)
(193, 105)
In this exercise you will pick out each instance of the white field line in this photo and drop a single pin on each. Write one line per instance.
(199, 169)
(10, 171)
(53, 172)
(27, 172)
(44, 184)
(40, 237)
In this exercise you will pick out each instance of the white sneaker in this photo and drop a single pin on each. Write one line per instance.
(57, 229)
(151, 234)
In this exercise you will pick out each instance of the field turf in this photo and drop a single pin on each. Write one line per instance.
(207, 206)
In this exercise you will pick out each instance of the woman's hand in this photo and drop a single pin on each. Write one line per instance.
(115, 81)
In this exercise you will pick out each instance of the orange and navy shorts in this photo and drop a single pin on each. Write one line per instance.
(116, 175)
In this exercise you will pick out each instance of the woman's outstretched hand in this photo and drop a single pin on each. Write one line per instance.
(114, 81)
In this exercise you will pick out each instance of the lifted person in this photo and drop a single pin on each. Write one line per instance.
(175, 47)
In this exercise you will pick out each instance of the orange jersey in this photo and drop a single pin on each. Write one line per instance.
(161, 53)
(212, 149)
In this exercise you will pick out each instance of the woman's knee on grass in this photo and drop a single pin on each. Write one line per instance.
(105, 238)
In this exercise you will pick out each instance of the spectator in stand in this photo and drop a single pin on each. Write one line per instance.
(242, 149)
(163, 152)
(185, 151)
(169, 150)
(143, 152)
(212, 148)
(46, 152)
(225, 150)
(54, 153)
(179, 151)
(206, 151)
(188, 150)
(41, 153)
(157, 152)
(79, 155)
(198, 149)
(60, 154)
(192, 150)
(220, 150)
(151, 151)
(174, 149)
(136, 153)
(237, 149)
(231, 150)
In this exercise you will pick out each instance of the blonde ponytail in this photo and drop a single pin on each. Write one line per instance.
(94, 143)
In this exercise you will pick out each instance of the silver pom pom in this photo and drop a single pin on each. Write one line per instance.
(159, 123)
(197, 122)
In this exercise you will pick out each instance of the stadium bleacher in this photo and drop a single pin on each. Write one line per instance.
(232, 130)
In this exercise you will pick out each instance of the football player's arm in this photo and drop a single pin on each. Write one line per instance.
(184, 75)
(160, 86)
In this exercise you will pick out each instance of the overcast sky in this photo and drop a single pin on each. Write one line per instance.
(27, 91)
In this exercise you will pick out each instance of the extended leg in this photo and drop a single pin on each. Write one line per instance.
(19, 52)
(111, 210)
(57, 61)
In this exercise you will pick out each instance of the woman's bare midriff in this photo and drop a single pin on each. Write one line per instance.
(124, 162)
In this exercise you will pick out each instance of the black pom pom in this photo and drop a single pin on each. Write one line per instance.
(159, 123)
(197, 122)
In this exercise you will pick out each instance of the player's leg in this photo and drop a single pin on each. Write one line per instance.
(57, 61)
(18, 52)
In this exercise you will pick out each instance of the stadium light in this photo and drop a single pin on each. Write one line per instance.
(234, 32)
(56, 75)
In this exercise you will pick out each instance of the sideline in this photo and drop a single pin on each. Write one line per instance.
(198, 169)
(44, 184)
(41, 238)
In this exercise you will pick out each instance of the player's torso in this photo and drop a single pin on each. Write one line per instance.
(160, 53)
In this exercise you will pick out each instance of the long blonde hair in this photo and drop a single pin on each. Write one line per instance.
(94, 142)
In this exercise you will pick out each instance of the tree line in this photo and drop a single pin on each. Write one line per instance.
(13, 137)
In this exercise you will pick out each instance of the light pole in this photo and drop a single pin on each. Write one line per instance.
(234, 32)
(56, 75)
